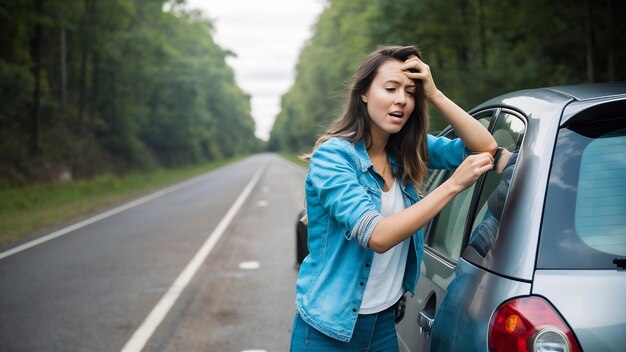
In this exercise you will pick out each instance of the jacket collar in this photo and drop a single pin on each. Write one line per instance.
(361, 153)
(366, 163)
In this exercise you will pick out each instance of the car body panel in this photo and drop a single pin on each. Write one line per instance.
(594, 306)
(435, 277)
(453, 331)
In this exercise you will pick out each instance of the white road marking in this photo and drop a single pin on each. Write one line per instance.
(99, 217)
(249, 265)
(262, 203)
(158, 313)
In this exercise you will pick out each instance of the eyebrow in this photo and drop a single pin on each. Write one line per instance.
(411, 84)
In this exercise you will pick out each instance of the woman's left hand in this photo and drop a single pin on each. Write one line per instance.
(414, 68)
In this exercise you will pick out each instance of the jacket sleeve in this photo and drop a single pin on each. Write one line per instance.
(333, 176)
(445, 153)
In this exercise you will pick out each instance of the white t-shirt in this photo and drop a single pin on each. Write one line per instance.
(384, 285)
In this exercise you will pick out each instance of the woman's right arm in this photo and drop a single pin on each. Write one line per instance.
(395, 228)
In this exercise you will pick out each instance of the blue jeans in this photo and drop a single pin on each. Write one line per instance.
(373, 333)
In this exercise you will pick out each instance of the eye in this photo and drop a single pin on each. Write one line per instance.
(390, 89)
(410, 93)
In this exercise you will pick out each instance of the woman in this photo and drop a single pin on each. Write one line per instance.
(364, 212)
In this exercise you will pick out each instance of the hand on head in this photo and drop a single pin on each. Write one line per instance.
(416, 69)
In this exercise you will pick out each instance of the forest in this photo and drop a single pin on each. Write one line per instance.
(92, 86)
(476, 49)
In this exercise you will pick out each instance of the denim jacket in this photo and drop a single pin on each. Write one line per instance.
(343, 197)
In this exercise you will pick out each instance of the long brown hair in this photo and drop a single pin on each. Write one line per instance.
(408, 146)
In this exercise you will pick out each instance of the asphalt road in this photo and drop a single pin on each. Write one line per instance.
(92, 288)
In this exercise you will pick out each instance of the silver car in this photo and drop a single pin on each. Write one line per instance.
(533, 256)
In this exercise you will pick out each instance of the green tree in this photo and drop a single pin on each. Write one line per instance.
(95, 86)
(476, 49)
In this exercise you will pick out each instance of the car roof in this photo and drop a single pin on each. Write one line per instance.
(591, 90)
(556, 95)
(571, 98)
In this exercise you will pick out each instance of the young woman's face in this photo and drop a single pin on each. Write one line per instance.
(390, 99)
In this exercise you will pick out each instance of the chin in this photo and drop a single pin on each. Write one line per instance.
(394, 129)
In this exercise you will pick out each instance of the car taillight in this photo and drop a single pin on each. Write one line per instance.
(529, 324)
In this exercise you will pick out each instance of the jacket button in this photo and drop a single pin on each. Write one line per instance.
(362, 283)
(354, 310)
(367, 265)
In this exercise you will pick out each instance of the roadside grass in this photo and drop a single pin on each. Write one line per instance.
(294, 158)
(27, 210)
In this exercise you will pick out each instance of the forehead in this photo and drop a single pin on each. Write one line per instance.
(391, 71)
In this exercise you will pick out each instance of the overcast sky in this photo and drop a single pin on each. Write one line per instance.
(267, 36)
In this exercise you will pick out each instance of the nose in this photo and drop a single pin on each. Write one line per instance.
(400, 98)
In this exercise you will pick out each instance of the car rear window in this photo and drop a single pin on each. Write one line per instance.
(600, 217)
(584, 221)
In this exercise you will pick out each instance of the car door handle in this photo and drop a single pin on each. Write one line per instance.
(425, 322)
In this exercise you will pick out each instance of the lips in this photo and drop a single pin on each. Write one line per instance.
(396, 116)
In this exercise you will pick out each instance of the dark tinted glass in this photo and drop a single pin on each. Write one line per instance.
(508, 132)
(445, 236)
(584, 221)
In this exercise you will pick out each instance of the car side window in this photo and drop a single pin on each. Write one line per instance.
(445, 235)
(508, 132)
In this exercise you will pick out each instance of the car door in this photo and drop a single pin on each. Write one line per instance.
(447, 235)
